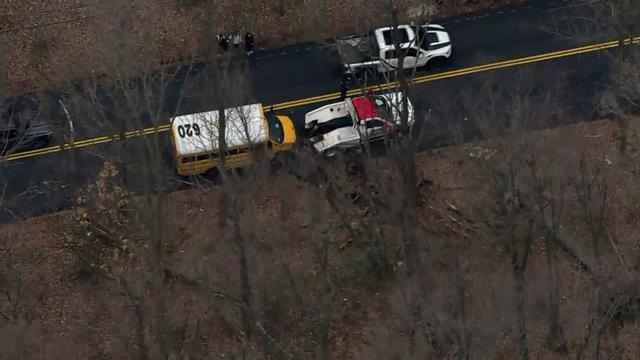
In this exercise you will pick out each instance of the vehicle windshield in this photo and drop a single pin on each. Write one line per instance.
(276, 131)
(374, 49)
(426, 38)
(383, 108)
(388, 36)
(329, 126)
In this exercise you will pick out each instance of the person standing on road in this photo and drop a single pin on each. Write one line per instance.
(249, 43)
(344, 85)
(235, 39)
(223, 42)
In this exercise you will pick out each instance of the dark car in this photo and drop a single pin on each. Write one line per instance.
(23, 125)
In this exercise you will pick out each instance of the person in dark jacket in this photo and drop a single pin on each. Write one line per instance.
(249, 43)
(223, 42)
(344, 85)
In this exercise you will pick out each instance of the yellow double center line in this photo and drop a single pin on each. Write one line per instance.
(336, 95)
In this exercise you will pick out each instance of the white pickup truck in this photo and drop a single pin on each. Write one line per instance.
(351, 123)
(376, 50)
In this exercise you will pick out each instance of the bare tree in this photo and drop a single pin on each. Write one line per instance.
(549, 196)
(592, 190)
(4, 66)
(622, 99)
(229, 74)
(405, 149)
(12, 309)
(464, 331)
(518, 218)
(406, 160)
(133, 97)
(517, 210)
(611, 20)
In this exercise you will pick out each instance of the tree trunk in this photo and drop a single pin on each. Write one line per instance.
(245, 288)
(139, 309)
(71, 156)
(407, 165)
(408, 204)
(143, 350)
(556, 335)
(281, 8)
(222, 149)
(519, 278)
(623, 135)
(623, 120)
(4, 66)
(245, 284)
(222, 144)
(327, 302)
(617, 348)
(162, 323)
(158, 283)
(463, 330)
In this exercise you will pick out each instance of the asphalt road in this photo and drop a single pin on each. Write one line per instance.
(448, 111)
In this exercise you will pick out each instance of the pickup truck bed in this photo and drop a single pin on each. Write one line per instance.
(357, 49)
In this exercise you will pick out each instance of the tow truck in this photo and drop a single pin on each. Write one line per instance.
(376, 50)
(355, 121)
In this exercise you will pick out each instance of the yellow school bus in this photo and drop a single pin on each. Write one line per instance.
(195, 138)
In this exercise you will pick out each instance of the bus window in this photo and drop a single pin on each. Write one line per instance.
(276, 131)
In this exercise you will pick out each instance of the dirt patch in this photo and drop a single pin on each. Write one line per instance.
(47, 42)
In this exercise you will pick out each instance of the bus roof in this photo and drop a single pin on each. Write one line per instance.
(198, 133)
